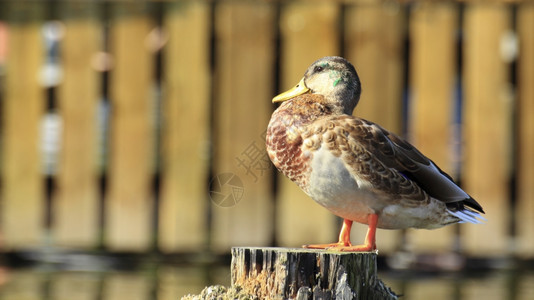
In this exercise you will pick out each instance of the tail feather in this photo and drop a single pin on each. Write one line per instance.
(468, 216)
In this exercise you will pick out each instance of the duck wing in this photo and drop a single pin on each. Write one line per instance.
(403, 158)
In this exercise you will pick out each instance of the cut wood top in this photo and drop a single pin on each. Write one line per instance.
(295, 273)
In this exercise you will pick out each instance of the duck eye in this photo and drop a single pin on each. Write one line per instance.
(318, 69)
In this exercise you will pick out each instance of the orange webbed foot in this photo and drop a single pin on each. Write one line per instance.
(326, 246)
(342, 248)
(344, 243)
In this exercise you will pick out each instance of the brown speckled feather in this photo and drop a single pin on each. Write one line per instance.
(354, 140)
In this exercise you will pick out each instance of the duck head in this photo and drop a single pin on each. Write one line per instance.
(332, 77)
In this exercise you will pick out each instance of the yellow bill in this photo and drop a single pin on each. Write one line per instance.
(299, 89)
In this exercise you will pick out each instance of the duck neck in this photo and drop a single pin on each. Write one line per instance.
(303, 110)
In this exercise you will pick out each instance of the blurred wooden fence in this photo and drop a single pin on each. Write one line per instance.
(126, 126)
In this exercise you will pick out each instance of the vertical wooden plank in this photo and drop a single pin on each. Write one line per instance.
(487, 128)
(421, 289)
(495, 286)
(75, 285)
(76, 206)
(128, 207)
(132, 286)
(433, 35)
(186, 127)
(374, 40)
(22, 187)
(309, 31)
(23, 284)
(433, 56)
(244, 72)
(525, 110)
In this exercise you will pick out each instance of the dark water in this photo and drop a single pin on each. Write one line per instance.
(511, 285)
(173, 282)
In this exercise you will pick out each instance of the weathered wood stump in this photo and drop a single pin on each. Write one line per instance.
(288, 273)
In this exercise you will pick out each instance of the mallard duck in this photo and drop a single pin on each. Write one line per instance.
(355, 168)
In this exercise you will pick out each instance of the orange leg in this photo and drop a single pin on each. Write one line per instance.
(344, 243)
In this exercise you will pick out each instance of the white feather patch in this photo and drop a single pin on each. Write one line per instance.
(468, 216)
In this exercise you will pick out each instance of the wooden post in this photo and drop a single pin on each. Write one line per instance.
(288, 273)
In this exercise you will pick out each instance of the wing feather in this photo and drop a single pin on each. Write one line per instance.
(397, 154)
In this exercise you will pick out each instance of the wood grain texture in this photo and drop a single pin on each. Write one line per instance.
(525, 109)
(244, 80)
(487, 125)
(299, 219)
(23, 205)
(285, 273)
(433, 57)
(374, 41)
(128, 205)
(76, 206)
(186, 112)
